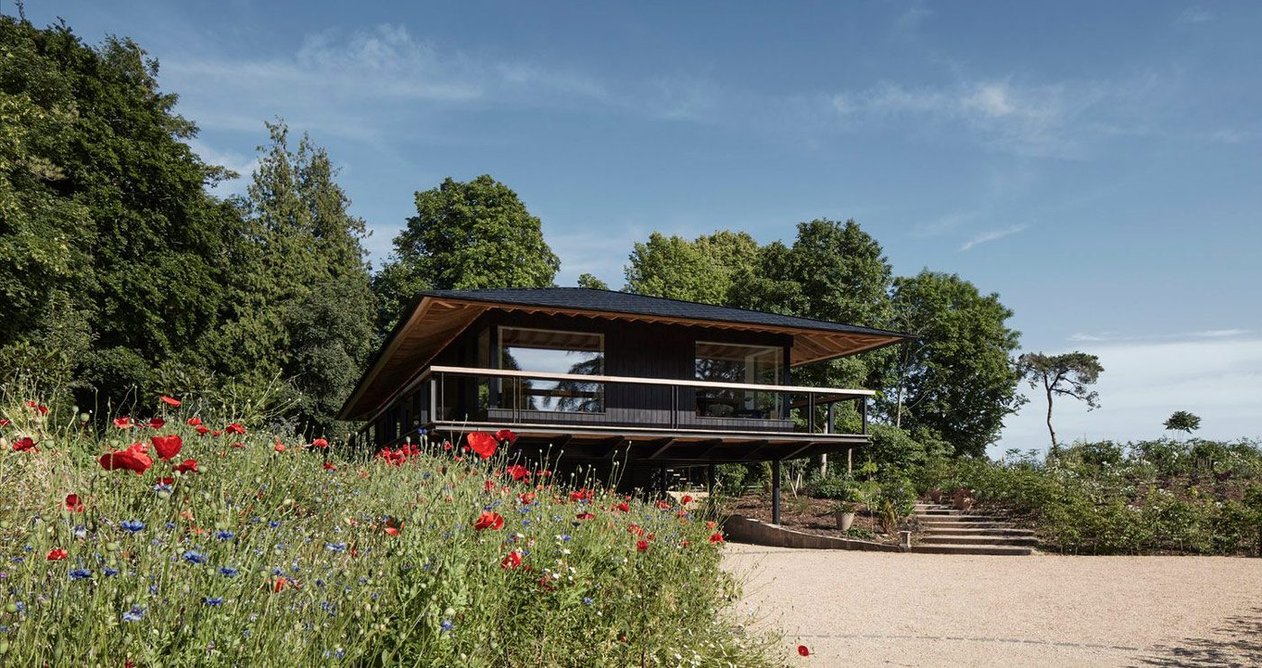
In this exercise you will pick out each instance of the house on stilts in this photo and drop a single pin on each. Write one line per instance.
(651, 383)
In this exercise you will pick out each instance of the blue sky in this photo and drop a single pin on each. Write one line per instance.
(1099, 165)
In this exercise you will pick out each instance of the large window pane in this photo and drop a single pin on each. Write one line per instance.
(734, 363)
(548, 351)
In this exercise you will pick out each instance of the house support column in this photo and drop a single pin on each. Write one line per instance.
(709, 480)
(661, 480)
(775, 491)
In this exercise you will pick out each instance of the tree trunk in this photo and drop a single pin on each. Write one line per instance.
(898, 409)
(1050, 430)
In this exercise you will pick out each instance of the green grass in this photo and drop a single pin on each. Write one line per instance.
(198, 585)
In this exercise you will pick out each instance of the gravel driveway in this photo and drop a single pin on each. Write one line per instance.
(864, 609)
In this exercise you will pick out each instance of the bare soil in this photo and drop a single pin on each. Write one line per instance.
(802, 513)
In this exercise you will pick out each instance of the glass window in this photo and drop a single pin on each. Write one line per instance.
(737, 363)
(548, 351)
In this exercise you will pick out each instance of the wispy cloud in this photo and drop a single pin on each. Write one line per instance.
(992, 235)
(1119, 337)
(1194, 15)
(1041, 120)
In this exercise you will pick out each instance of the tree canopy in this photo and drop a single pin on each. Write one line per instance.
(1065, 375)
(1183, 421)
(465, 236)
(958, 378)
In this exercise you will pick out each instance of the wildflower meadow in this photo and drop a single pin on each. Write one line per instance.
(182, 538)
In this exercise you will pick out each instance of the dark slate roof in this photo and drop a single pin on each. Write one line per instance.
(625, 302)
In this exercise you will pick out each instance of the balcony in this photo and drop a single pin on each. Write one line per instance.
(661, 418)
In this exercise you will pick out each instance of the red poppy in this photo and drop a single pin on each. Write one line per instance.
(132, 459)
(586, 516)
(74, 504)
(170, 401)
(24, 444)
(124, 423)
(214, 434)
(511, 560)
(235, 428)
(623, 506)
(170, 481)
(685, 500)
(56, 554)
(526, 498)
(446, 445)
(517, 471)
(194, 422)
(238, 445)
(320, 443)
(582, 495)
(489, 520)
(716, 537)
(506, 436)
(187, 466)
(167, 446)
(328, 466)
(489, 485)
(641, 546)
(393, 526)
(482, 443)
(804, 650)
(662, 504)
(391, 531)
(202, 430)
(635, 529)
(4, 422)
(38, 408)
(157, 423)
(279, 585)
(279, 447)
(710, 524)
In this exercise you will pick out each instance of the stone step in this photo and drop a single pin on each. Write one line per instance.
(997, 550)
(970, 530)
(966, 539)
(960, 518)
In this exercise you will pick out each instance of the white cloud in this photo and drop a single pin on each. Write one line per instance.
(1042, 120)
(243, 165)
(1194, 15)
(1115, 337)
(992, 235)
(1215, 375)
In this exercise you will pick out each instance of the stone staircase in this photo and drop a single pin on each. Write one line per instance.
(945, 530)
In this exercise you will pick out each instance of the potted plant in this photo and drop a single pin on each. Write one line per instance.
(935, 495)
(845, 511)
(963, 499)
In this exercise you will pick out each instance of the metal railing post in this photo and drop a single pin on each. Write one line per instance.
(433, 399)
(863, 411)
(828, 428)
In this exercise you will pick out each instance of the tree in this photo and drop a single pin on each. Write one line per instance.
(1183, 421)
(700, 270)
(128, 244)
(302, 306)
(1066, 375)
(590, 281)
(464, 236)
(957, 379)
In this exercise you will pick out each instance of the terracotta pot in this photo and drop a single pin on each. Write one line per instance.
(844, 520)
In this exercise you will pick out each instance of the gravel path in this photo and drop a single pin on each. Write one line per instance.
(862, 608)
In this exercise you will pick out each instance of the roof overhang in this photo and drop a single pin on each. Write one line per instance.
(434, 321)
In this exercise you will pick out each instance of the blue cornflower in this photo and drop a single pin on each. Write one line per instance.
(278, 572)
(448, 626)
(18, 560)
(80, 574)
(274, 523)
(110, 572)
(228, 572)
(566, 538)
(256, 519)
(224, 534)
(328, 607)
(194, 557)
(335, 547)
(153, 590)
(214, 601)
(587, 600)
(169, 525)
(80, 532)
(21, 606)
(132, 526)
(525, 523)
(134, 614)
(163, 488)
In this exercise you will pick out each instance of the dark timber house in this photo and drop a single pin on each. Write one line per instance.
(602, 375)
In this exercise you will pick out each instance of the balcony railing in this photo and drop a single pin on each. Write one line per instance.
(511, 397)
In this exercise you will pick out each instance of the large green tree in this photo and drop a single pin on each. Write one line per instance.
(465, 235)
(957, 379)
(301, 305)
(107, 215)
